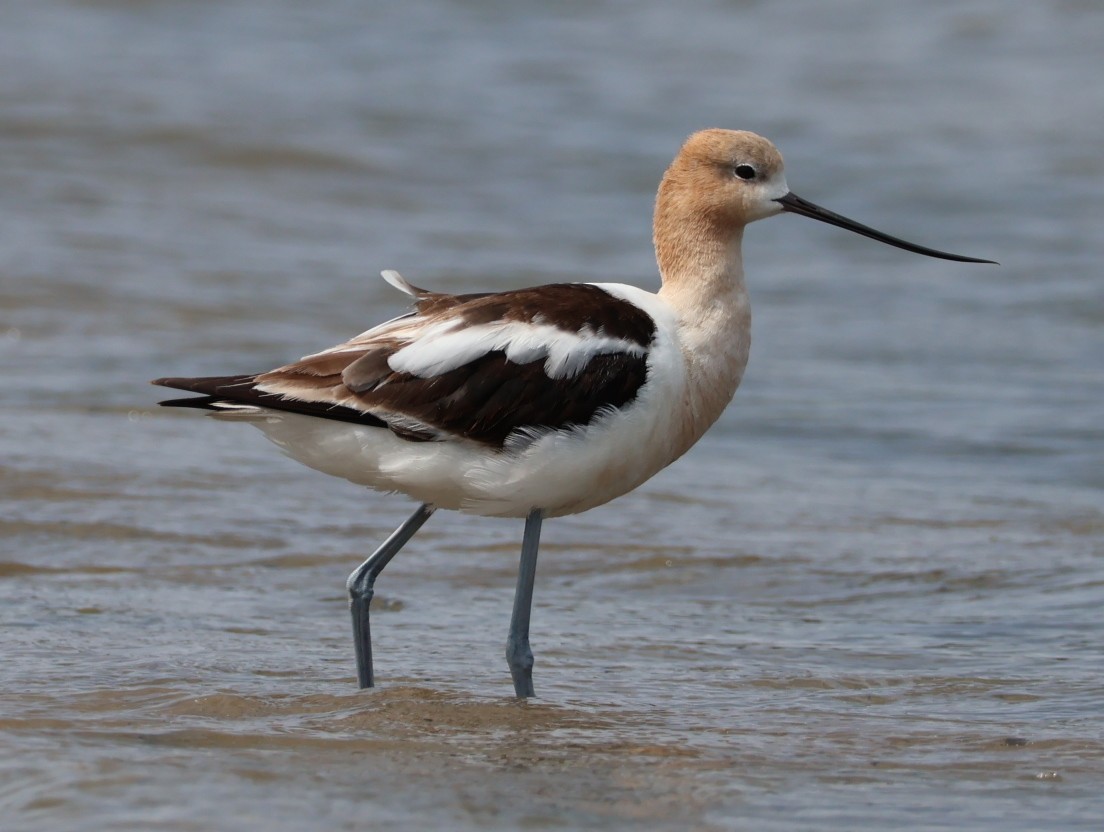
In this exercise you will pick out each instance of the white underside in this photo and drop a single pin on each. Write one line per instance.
(561, 472)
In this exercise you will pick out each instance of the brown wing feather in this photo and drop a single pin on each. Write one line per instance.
(218, 390)
(485, 400)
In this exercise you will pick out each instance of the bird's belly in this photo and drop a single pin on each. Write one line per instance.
(561, 472)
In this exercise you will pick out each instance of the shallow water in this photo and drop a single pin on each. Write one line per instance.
(868, 599)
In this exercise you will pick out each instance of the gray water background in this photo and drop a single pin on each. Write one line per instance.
(870, 598)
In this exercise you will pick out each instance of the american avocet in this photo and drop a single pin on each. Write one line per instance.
(537, 402)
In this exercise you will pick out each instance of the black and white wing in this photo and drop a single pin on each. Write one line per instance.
(471, 367)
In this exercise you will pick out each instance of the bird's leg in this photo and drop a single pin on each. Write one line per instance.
(361, 585)
(518, 654)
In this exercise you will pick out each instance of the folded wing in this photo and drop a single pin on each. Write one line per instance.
(480, 368)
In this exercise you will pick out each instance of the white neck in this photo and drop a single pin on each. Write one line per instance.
(703, 283)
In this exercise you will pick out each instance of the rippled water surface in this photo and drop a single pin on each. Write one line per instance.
(870, 598)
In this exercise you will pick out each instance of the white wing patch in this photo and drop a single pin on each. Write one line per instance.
(444, 347)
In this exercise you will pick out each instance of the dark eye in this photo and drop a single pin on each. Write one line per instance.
(745, 171)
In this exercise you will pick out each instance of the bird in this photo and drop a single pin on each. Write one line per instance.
(537, 402)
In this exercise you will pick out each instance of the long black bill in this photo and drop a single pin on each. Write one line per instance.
(794, 204)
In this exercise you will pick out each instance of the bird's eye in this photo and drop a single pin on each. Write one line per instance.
(745, 171)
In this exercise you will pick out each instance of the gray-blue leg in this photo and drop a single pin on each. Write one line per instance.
(518, 654)
(361, 586)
